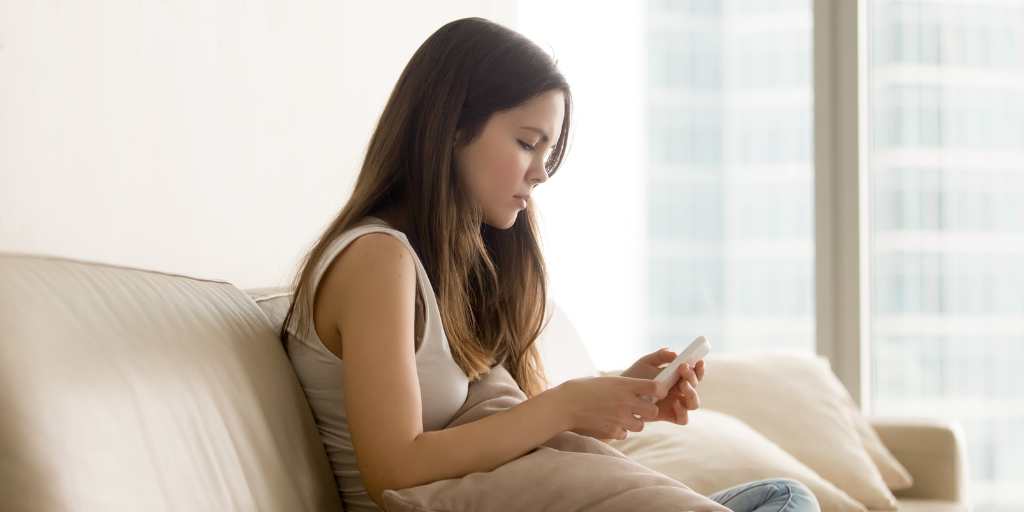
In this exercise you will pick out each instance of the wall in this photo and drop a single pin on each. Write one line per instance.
(214, 139)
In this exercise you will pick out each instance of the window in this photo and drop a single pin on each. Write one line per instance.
(713, 212)
(688, 200)
(946, 90)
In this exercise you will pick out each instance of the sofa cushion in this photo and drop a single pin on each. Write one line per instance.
(795, 400)
(561, 349)
(714, 451)
(894, 474)
(274, 303)
(908, 505)
(565, 357)
(127, 389)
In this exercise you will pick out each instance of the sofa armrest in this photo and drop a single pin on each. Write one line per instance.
(932, 450)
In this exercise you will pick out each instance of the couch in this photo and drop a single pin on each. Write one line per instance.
(131, 389)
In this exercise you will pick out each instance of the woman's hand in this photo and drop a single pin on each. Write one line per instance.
(607, 407)
(683, 396)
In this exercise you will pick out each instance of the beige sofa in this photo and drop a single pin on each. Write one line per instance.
(131, 389)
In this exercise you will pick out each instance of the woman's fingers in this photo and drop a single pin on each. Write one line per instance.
(659, 356)
(645, 410)
(634, 425)
(620, 433)
(689, 395)
(681, 414)
(687, 375)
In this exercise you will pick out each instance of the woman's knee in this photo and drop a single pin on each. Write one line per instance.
(795, 486)
(797, 490)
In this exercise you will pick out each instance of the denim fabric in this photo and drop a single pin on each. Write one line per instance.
(772, 495)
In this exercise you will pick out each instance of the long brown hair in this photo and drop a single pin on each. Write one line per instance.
(491, 284)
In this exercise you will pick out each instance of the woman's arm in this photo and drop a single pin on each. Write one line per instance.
(372, 291)
(484, 444)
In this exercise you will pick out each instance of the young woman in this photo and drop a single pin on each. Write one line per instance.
(431, 275)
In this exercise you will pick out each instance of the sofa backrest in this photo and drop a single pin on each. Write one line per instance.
(562, 351)
(128, 389)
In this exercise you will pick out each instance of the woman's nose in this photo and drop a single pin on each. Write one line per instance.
(538, 177)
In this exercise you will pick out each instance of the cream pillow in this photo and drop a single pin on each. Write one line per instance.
(555, 480)
(568, 472)
(896, 476)
(715, 451)
(795, 400)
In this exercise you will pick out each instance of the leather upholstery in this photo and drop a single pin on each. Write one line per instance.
(128, 389)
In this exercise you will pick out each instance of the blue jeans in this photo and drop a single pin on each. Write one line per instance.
(772, 495)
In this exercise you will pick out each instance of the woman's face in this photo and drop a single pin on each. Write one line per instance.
(507, 160)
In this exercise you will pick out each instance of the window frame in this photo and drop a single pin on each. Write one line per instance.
(841, 212)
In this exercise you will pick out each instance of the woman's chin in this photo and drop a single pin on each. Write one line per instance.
(504, 222)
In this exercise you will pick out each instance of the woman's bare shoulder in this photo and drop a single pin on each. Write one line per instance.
(374, 266)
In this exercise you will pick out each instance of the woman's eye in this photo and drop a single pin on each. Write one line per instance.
(525, 145)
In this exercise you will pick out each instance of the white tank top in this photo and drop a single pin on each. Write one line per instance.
(443, 384)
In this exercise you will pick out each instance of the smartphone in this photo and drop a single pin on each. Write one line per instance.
(669, 375)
